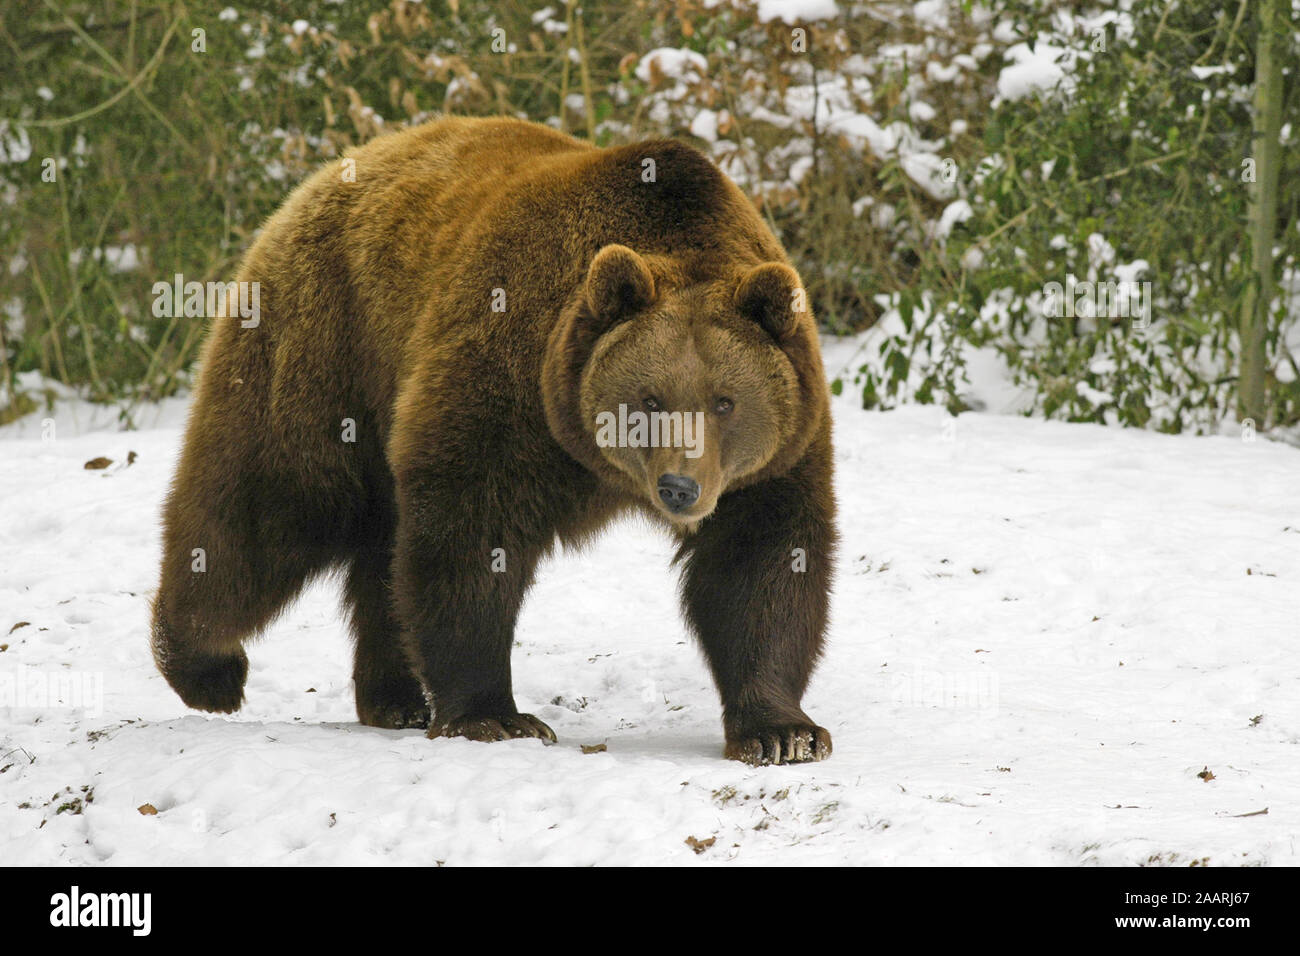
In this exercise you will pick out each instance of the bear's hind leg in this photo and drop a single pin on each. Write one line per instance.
(388, 693)
(203, 678)
(230, 565)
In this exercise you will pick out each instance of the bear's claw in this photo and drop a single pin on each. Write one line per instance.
(397, 716)
(799, 743)
(502, 727)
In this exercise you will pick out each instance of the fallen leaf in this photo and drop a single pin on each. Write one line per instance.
(95, 464)
(148, 809)
(594, 748)
(18, 625)
(1206, 775)
(699, 846)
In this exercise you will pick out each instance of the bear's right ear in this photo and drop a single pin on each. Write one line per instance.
(618, 283)
(771, 294)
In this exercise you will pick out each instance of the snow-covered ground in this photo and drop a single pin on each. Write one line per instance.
(1042, 635)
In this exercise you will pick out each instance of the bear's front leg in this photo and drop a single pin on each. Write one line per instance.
(460, 573)
(755, 587)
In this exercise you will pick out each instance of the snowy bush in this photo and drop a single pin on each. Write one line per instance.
(932, 168)
(1116, 154)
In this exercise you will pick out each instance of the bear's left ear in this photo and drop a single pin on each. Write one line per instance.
(618, 283)
(773, 296)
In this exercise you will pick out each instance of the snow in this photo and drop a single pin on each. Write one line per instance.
(16, 146)
(833, 105)
(953, 213)
(931, 13)
(117, 258)
(927, 171)
(795, 12)
(1095, 397)
(1205, 72)
(676, 64)
(1041, 634)
(921, 112)
(1032, 70)
(705, 125)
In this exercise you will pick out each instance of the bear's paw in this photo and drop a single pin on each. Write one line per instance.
(396, 716)
(502, 727)
(787, 743)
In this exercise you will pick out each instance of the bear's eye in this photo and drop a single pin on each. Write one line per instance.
(651, 403)
(723, 406)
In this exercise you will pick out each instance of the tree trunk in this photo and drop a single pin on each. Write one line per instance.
(1262, 221)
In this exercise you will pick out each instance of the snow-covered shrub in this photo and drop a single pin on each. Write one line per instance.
(1116, 153)
(932, 168)
(837, 118)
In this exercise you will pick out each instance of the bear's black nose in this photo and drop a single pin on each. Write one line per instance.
(678, 492)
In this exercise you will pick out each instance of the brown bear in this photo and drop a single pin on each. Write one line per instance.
(464, 330)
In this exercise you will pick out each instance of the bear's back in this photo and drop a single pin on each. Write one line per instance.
(463, 237)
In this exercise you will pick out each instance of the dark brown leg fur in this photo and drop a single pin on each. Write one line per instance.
(388, 693)
(265, 521)
(761, 622)
(460, 615)
(460, 499)
(254, 563)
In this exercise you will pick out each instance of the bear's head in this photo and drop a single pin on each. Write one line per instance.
(680, 392)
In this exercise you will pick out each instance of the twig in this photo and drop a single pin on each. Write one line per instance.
(135, 81)
(585, 75)
(1104, 177)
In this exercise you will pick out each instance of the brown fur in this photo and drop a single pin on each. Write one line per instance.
(475, 428)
